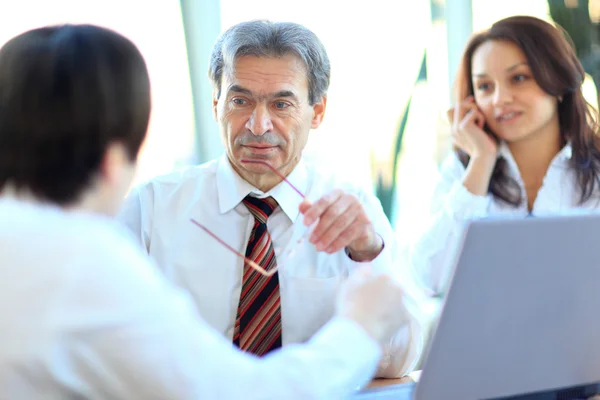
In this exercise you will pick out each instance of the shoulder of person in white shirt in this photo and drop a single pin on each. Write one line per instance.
(84, 312)
(511, 92)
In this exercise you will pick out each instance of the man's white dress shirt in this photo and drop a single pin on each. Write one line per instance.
(452, 205)
(159, 213)
(84, 314)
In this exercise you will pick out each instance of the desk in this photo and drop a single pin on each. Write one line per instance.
(401, 389)
(375, 383)
(381, 389)
(412, 377)
(384, 389)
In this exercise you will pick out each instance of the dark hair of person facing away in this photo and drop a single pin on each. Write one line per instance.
(557, 70)
(272, 39)
(66, 93)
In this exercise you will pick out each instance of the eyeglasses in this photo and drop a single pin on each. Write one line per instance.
(288, 254)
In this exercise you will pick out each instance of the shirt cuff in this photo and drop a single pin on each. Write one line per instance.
(461, 204)
(347, 251)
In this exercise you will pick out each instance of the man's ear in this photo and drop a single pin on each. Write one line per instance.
(318, 112)
(215, 103)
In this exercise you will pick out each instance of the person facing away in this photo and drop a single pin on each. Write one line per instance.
(84, 312)
(525, 139)
(270, 84)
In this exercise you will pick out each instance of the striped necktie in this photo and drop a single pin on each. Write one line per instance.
(258, 323)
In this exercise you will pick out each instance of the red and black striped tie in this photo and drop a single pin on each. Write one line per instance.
(258, 323)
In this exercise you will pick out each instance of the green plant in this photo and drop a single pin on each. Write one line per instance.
(574, 17)
(386, 173)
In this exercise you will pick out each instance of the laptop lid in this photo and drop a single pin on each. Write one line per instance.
(521, 312)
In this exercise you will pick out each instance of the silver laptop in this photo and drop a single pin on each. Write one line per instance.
(521, 318)
(522, 313)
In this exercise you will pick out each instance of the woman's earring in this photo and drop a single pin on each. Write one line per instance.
(560, 99)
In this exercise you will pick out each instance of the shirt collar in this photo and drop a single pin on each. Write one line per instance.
(232, 188)
(564, 154)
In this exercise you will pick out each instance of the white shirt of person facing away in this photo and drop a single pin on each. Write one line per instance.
(85, 314)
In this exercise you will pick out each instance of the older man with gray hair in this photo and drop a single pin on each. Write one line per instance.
(292, 233)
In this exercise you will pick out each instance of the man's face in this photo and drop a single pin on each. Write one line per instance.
(264, 113)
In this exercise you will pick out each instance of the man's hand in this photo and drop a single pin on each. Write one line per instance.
(342, 223)
(375, 302)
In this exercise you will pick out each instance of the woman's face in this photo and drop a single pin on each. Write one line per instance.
(514, 105)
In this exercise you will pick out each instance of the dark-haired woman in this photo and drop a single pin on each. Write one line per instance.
(525, 140)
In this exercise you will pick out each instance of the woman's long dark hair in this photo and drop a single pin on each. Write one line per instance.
(557, 70)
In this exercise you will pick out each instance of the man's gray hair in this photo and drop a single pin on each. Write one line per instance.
(272, 39)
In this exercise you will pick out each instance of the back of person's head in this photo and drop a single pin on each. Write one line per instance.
(68, 93)
(558, 72)
(271, 40)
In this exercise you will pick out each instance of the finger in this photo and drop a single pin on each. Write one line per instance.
(470, 118)
(479, 119)
(346, 237)
(304, 206)
(337, 217)
(472, 105)
(450, 114)
(340, 235)
(318, 208)
(458, 115)
(461, 111)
